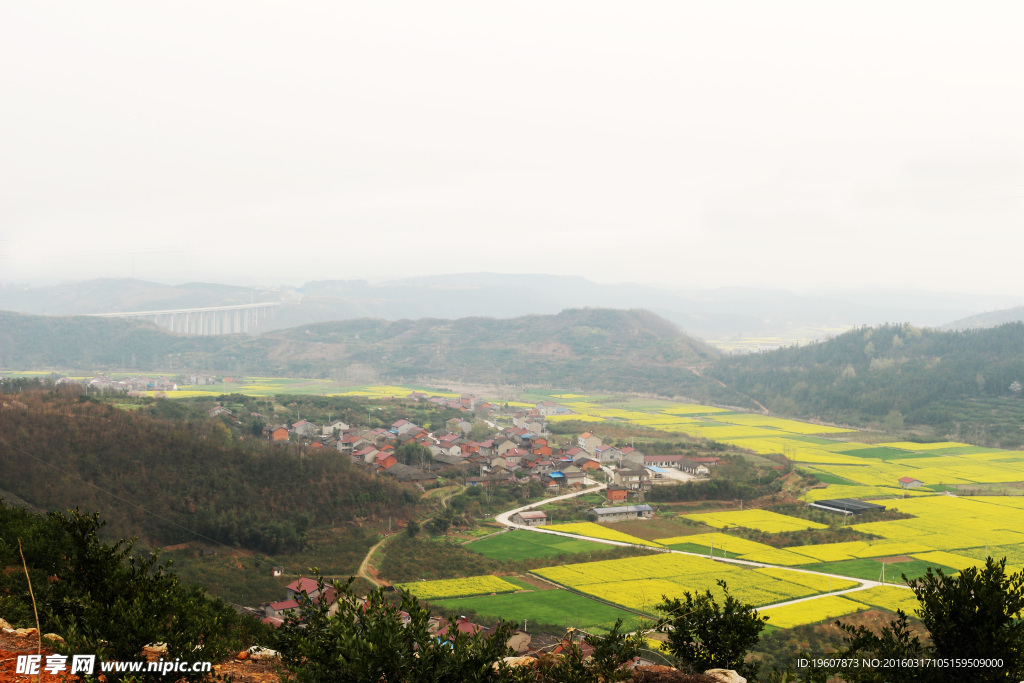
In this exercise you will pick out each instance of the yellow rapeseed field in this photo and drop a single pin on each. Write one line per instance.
(891, 598)
(812, 611)
(597, 531)
(762, 520)
(458, 588)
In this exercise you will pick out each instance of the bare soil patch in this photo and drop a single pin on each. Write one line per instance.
(536, 583)
(650, 529)
(892, 559)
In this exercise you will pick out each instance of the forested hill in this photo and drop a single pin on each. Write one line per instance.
(966, 384)
(60, 451)
(598, 349)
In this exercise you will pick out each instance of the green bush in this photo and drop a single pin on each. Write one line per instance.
(107, 601)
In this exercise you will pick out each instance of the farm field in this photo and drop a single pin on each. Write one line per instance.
(526, 545)
(457, 588)
(555, 607)
(871, 570)
(944, 531)
(640, 582)
(813, 611)
(761, 520)
(592, 530)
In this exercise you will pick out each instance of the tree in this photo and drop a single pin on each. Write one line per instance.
(369, 642)
(974, 615)
(893, 422)
(969, 616)
(413, 454)
(705, 634)
(480, 431)
(896, 642)
(109, 601)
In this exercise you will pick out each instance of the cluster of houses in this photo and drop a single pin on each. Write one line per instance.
(522, 450)
(141, 383)
(125, 384)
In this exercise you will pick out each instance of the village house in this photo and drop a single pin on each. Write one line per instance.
(530, 518)
(451, 460)
(366, 454)
(693, 467)
(290, 606)
(588, 442)
(604, 453)
(505, 445)
(910, 483)
(633, 480)
(304, 428)
(514, 456)
(546, 408)
(616, 493)
(662, 460)
(385, 460)
(628, 451)
(279, 433)
(403, 427)
(622, 513)
(574, 478)
(336, 427)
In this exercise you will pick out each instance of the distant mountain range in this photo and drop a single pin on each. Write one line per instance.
(988, 319)
(595, 349)
(713, 314)
(963, 385)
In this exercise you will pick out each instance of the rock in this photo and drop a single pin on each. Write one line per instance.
(4, 625)
(53, 637)
(725, 675)
(517, 661)
(258, 652)
(155, 649)
(242, 655)
(25, 632)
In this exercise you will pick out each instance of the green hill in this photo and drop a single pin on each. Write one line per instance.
(960, 384)
(59, 450)
(599, 349)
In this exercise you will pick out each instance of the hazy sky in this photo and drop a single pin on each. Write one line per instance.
(684, 143)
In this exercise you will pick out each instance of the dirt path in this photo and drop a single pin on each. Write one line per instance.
(365, 571)
(364, 566)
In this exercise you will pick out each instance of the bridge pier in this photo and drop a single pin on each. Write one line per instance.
(215, 320)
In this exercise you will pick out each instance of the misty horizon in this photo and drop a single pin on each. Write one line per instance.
(795, 146)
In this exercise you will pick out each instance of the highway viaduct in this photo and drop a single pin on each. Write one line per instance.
(204, 321)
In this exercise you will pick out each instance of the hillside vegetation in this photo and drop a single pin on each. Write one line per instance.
(600, 349)
(963, 384)
(58, 451)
